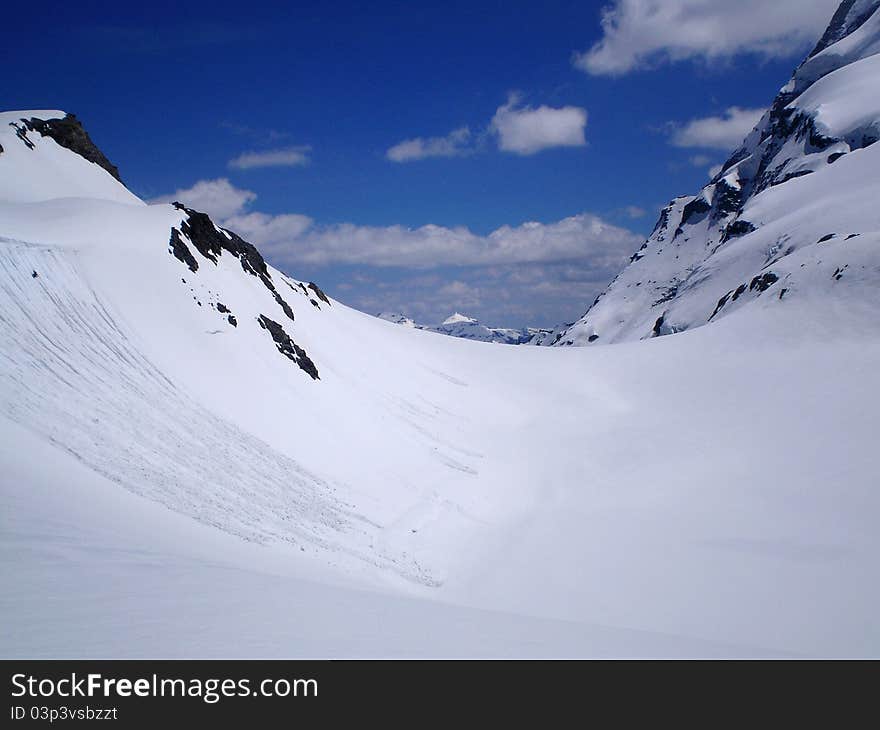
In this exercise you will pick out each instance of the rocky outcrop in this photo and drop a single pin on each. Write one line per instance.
(70, 133)
(288, 347)
(211, 241)
(704, 245)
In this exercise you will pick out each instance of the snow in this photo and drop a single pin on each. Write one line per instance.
(48, 170)
(845, 100)
(808, 170)
(468, 328)
(458, 319)
(175, 486)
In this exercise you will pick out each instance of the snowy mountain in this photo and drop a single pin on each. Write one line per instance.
(468, 328)
(204, 456)
(790, 216)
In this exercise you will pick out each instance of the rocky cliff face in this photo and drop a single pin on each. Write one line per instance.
(800, 179)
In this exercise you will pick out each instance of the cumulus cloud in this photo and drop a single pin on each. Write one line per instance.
(296, 238)
(218, 198)
(723, 132)
(517, 273)
(526, 130)
(283, 157)
(452, 145)
(265, 228)
(641, 33)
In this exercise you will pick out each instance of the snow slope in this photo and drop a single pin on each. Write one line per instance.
(309, 480)
(791, 215)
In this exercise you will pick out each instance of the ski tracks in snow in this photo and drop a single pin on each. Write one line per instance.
(73, 376)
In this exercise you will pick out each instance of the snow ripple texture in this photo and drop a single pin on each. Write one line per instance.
(74, 376)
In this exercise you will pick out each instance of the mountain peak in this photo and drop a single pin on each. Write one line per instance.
(48, 154)
(458, 318)
(804, 176)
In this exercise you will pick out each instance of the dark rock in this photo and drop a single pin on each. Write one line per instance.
(69, 132)
(763, 282)
(181, 251)
(288, 347)
(321, 295)
(21, 133)
(222, 308)
(834, 157)
(736, 229)
(839, 27)
(34, 274)
(826, 237)
(694, 211)
(592, 338)
(658, 325)
(726, 200)
(211, 241)
(667, 294)
(789, 176)
(720, 305)
(315, 304)
(232, 320)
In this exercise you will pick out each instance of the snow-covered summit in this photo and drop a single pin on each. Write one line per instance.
(47, 154)
(791, 215)
(469, 328)
(457, 318)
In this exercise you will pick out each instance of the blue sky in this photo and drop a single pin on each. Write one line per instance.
(332, 134)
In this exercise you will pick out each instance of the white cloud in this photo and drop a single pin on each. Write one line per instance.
(219, 198)
(527, 130)
(262, 228)
(724, 132)
(284, 157)
(452, 145)
(700, 160)
(527, 273)
(295, 238)
(578, 237)
(713, 171)
(634, 211)
(640, 33)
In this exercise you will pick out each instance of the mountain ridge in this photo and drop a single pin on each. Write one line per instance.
(720, 247)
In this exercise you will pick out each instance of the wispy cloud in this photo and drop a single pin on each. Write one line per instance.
(515, 128)
(454, 144)
(724, 132)
(526, 130)
(642, 33)
(258, 134)
(283, 157)
(634, 211)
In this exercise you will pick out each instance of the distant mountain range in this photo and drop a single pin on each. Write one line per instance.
(468, 328)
